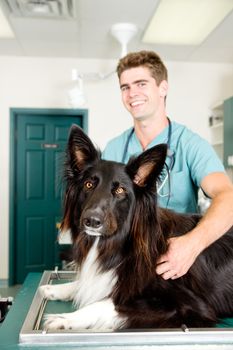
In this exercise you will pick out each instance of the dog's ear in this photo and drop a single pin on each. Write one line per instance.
(80, 150)
(146, 168)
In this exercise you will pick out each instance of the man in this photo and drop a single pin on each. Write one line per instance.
(191, 161)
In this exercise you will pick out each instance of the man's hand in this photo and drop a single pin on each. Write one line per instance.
(218, 219)
(179, 258)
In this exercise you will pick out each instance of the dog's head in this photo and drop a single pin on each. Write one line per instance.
(101, 195)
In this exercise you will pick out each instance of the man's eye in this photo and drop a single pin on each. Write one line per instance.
(88, 185)
(141, 84)
(119, 190)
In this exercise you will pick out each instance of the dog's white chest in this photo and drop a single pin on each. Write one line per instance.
(92, 284)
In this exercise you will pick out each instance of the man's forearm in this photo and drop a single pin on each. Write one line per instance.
(217, 220)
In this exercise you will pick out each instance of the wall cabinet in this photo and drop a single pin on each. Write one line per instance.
(228, 132)
(221, 124)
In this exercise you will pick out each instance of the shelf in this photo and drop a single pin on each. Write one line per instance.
(221, 130)
(218, 143)
(217, 106)
(217, 125)
(216, 128)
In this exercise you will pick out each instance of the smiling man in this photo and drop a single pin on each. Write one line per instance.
(144, 99)
(191, 161)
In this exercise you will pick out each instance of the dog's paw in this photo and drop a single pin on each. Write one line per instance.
(63, 291)
(49, 292)
(56, 322)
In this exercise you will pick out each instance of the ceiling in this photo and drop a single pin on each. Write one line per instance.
(86, 33)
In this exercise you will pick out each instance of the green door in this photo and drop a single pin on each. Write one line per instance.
(41, 142)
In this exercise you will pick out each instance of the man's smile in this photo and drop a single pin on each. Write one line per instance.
(137, 103)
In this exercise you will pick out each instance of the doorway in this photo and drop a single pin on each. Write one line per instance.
(38, 143)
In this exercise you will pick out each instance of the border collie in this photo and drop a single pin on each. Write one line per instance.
(118, 233)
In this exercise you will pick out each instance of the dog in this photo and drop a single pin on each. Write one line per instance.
(118, 234)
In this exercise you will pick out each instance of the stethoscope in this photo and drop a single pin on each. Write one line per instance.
(170, 155)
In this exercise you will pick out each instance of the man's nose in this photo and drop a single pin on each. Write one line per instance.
(133, 91)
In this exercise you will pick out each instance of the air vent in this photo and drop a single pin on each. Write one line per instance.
(41, 8)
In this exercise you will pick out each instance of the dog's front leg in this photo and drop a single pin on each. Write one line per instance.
(65, 291)
(100, 315)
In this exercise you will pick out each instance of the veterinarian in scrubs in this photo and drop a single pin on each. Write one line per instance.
(191, 161)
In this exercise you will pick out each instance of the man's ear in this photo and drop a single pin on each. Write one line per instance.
(163, 88)
(80, 149)
(145, 169)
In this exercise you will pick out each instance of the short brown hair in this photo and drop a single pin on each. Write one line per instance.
(148, 59)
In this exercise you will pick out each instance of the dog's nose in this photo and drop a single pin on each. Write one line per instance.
(92, 222)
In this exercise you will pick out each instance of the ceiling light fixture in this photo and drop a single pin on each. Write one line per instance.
(185, 22)
(123, 33)
(76, 95)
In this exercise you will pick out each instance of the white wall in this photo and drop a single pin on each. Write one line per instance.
(43, 82)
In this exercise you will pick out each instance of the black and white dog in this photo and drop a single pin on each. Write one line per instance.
(118, 234)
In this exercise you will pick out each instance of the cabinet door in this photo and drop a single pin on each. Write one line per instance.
(228, 132)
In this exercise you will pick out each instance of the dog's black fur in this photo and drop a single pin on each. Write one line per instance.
(118, 203)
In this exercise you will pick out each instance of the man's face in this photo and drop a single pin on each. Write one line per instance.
(140, 94)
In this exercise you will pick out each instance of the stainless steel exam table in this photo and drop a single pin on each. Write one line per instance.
(23, 328)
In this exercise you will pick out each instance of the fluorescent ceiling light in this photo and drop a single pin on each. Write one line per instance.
(185, 22)
(5, 29)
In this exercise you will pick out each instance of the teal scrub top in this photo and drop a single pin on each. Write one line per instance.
(194, 158)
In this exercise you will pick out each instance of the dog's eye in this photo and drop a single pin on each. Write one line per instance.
(119, 190)
(88, 185)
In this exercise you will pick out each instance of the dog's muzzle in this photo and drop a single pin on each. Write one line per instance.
(92, 223)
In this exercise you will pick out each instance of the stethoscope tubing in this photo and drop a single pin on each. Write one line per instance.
(170, 154)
